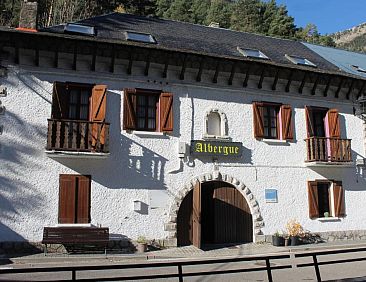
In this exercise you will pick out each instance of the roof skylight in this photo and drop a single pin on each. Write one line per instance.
(140, 37)
(359, 69)
(300, 61)
(252, 53)
(79, 28)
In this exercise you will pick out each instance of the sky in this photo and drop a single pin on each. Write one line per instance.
(328, 15)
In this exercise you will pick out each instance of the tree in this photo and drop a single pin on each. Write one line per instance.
(199, 11)
(281, 24)
(180, 10)
(246, 16)
(162, 6)
(220, 12)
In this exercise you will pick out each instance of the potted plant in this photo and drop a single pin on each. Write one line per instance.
(141, 244)
(278, 239)
(295, 231)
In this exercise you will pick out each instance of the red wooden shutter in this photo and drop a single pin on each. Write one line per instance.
(83, 200)
(98, 106)
(60, 101)
(333, 121)
(313, 199)
(129, 109)
(166, 112)
(196, 216)
(67, 198)
(338, 192)
(334, 132)
(309, 121)
(287, 123)
(258, 120)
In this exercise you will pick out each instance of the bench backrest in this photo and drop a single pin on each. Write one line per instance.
(75, 235)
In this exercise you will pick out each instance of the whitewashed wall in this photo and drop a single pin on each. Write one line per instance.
(138, 167)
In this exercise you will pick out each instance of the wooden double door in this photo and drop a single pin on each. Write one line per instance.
(214, 213)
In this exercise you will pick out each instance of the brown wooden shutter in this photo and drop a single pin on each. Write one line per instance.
(60, 101)
(67, 198)
(98, 107)
(129, 109)
(309, 121)
(333, 122)
(258, 120)
(313, 199)
(83, 199)
(287, 123)
(166, 112)
(196, 215)
(338, 192)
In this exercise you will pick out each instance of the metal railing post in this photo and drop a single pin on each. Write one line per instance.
(269, 272)
(316, 266)
(180, 272)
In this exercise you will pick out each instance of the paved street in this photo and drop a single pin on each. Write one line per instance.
(355, 271)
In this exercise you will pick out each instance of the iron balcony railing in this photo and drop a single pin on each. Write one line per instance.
(78, 135)
(328, 149)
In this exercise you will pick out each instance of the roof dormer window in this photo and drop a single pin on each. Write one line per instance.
(359, 69)
(79, 29)
(252, 53)
(300, 61)
(140, 37)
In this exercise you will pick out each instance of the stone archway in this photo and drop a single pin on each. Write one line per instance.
(258, 223)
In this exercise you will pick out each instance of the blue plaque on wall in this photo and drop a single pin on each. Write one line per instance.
(271, 195)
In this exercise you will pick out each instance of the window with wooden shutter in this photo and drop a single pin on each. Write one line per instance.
(74, 198)
(287, 123)
(326, 199)
(313, 199)
(333, 122)
(147, 110)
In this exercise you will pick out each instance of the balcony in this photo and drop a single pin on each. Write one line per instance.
(77, 138)
(325, 151)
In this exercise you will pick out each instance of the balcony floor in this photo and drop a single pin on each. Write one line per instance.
(77, 155)
(329, 164)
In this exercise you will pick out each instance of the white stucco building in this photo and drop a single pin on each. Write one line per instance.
(176, 131)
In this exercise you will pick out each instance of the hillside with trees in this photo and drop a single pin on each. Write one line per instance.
(353, 39)
(256, 16)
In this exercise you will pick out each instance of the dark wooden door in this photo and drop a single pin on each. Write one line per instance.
(214, 213)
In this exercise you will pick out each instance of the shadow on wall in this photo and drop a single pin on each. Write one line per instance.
(17, 192)
(130, 164)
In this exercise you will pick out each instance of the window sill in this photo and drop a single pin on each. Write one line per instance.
(215, 137)
(275, 141)
(328, 219)
(151, 134)
(74, 225)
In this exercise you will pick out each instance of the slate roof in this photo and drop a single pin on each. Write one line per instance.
(200, 39)
(341, 58)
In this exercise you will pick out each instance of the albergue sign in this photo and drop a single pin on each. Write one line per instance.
(208, 148)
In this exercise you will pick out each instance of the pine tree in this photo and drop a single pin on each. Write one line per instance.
(220, 12)
(246, 16)
(282, 25)
(180, 10)
(162, 6)
(199, 11)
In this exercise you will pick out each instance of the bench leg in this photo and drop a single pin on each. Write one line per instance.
(45, 250)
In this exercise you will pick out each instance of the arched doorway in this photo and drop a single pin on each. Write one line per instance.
(214, 212)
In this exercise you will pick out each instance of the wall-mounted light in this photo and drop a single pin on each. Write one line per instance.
(137, 206)
(3, 91)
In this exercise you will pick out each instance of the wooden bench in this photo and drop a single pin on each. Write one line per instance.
(76, 237)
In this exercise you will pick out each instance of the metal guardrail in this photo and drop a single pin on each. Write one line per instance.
(180, 274)
(316, 263)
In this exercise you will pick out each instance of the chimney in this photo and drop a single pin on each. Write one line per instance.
(28, 16)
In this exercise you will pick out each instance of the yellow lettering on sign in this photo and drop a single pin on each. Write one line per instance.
(226, 151)
(199, 148)
(236, 150)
